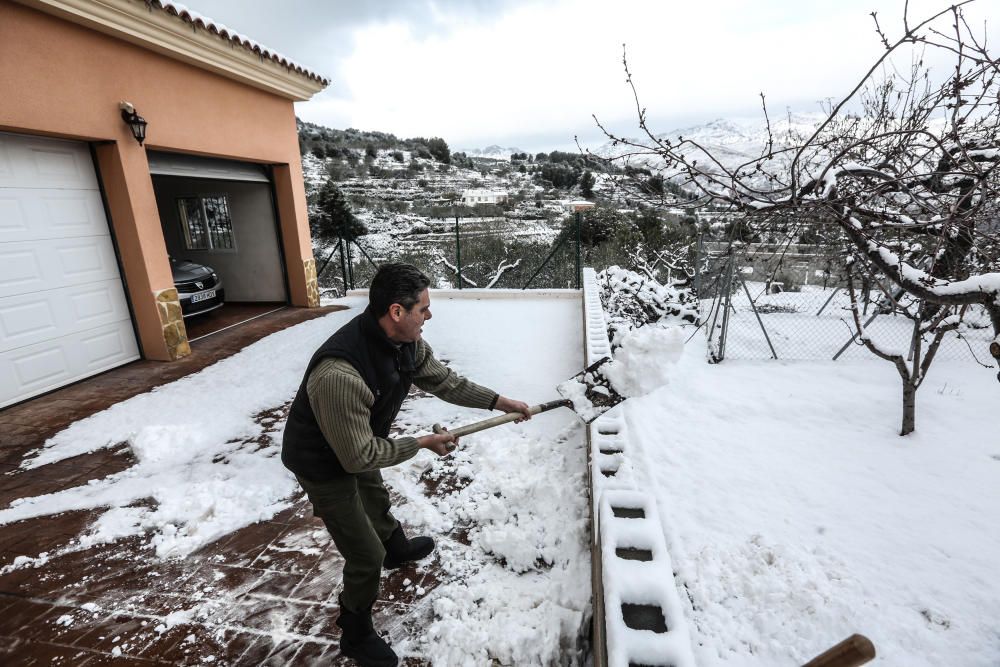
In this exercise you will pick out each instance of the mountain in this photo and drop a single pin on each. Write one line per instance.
(495, 152)
(734, 141)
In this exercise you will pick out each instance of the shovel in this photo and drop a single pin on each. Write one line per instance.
(588, 393)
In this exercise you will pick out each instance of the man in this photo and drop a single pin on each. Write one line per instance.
(337, 439)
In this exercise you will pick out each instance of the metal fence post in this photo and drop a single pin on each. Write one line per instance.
(753, 306)
(727, 305)
(458, 253)
(579, 259)
(350, 263)
(343, 264)
(700, 248)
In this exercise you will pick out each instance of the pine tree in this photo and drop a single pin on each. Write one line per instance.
(587, 185)
(333, 220)
(439, 149)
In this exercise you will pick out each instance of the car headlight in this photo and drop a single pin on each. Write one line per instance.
(214, 277)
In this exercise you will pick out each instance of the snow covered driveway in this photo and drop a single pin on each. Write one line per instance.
(511, 579)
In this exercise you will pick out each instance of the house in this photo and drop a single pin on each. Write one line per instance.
(578, 206)
(91, 211)
(481, 196)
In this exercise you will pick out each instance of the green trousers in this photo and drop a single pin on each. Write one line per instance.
(355, 509)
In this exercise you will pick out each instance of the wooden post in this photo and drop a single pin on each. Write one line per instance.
(853, 651)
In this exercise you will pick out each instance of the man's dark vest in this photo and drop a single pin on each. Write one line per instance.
(385, 368)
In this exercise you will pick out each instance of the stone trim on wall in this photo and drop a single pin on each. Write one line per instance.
(312, 285)
(172, 320)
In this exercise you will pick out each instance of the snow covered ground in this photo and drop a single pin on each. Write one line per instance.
(514, 589)
(523, 489)
(795, 515)
(797, 332)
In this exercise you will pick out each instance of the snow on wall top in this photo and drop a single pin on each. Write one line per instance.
(216, 28)
(646, 582)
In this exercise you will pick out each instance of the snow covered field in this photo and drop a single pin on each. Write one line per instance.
(797, 332)
(795, 515)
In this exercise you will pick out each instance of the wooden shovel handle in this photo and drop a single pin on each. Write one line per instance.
(501, 419)
(853, 651)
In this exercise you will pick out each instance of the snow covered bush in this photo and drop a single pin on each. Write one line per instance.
(631, 300)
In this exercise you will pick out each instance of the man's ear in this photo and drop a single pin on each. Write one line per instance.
(395, 312)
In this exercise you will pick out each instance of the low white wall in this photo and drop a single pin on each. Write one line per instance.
(626, 518)
(492, 293)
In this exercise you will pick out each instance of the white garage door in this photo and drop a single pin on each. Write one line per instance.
(63, 313)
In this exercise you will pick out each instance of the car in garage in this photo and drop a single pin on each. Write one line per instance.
(199, 287)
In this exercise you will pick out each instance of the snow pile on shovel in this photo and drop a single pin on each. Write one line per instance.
(645, 360)
(631, 300)
(645, 326)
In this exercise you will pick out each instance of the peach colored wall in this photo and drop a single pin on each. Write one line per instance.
(61, 79)
(133, 211)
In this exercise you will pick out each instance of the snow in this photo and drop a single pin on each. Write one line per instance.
(798, 330)
(201, 468)
(518, 592)
(795, 516)
(576, 392)
(523, 490)
(649, 582)
(985, 283)
(791, 511)
(781, 511)
(640, 582)
(645, 359)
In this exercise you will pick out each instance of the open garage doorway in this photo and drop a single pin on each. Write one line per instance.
(221, 233)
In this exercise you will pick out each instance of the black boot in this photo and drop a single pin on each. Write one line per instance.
(360, 641)
(399, 551)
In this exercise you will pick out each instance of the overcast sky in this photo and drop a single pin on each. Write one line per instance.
(529, 74)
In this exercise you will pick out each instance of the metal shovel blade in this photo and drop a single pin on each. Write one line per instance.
(590, 392)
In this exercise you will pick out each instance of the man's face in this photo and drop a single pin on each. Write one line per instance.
(410, 322)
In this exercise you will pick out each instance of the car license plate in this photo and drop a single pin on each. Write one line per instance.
(195, 298)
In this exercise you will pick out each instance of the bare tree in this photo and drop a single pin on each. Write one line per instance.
(501, 269)
(902, 172)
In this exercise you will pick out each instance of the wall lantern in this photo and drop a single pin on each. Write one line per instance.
(135, 122)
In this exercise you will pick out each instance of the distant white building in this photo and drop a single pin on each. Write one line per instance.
(473, 197)
(578, 205)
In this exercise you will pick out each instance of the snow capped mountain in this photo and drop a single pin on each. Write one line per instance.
(734, 140)
(494, 151)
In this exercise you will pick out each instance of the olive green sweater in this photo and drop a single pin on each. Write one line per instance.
(342, 403)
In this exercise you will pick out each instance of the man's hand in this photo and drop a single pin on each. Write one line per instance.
(510, 405)
(441, 444)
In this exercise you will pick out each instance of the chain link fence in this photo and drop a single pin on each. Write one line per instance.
(465, 253)
(762, 302)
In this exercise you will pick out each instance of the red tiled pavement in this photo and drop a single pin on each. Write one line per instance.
(260, 598)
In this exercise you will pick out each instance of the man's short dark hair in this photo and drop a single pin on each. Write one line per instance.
(396, 283)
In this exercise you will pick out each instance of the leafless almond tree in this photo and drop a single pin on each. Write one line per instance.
(902, 172)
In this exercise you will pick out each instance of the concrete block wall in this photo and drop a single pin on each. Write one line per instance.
(638, 615)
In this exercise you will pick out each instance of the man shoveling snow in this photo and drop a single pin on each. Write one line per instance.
(336, 440)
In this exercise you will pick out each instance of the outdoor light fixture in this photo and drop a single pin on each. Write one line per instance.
(135, 122)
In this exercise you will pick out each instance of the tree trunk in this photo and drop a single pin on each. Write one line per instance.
(909, 407)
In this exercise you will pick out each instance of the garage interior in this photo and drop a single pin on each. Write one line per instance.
(220, 214)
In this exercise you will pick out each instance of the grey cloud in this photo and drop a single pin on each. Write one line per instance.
(318, 34)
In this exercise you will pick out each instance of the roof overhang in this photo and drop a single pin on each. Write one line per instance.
(175, 36)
